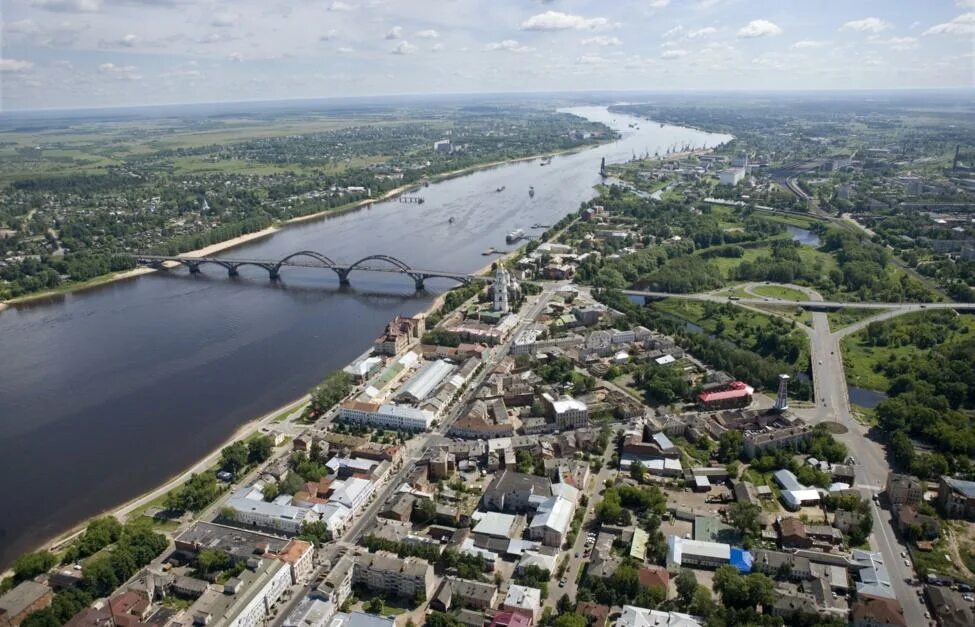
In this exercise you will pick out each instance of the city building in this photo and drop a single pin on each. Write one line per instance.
(567, 411)
(793, 494)
(250, 508)
(684, 552)
(457, 592)
(956, 498)
(426, 381)
(872, 611)
(512, 491)
(731, 176)
(904, 489)
(408, 577)
(24, 598)
(502, 283)
(399, 333)
(633, 616)
(874, 579)
(389, 415)
(523, 599)
(311, 612)
(363, 368)
(734, 394)
(337, 585)
(245, 600)
(552, 521)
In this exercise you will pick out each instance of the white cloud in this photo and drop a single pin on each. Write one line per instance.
(673, 32)
(436, 47)
(601, 40)
(404, 47)
(867, 25)
(896, 43)
(966, 4)
(395, 32)
(14, 65)
(964, 24)
(673, 54)
(341, 7)
(25, 27)
(659, 4)
(810, 43)
(328, 35)
(701, 32)
(509, 45)
(128, 41)
(224, 20)
(758, 28)
(556, 20)
(68, 6)
(428, 34)
(344, 50)
(120, 72)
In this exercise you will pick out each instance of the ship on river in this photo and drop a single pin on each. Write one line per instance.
(515, 236)
(531, 191)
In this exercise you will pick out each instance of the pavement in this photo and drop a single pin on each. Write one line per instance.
(805, 304)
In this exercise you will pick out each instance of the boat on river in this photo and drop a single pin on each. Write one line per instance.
(531, 192)
(500, 189)
(515, 236)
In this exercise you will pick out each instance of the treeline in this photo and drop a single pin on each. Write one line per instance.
(136, 545)
(44, 273)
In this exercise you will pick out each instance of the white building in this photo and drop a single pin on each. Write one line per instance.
(389, 415)
(502, 281)
(254, 602)
(523, 598)
(552, 521)
(442, 146)
(353, 492)
(251, 509)
(568, 412)
(731, 176)
(640, 617)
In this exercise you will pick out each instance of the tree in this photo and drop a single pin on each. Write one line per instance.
(424, 511)
(270, 491)
(259, 449)
(744, 517)
(374, 605)
(565, 604)
(637, 471)
(729, 446)
(212, 560)
(686, 586)
(315, 532)
(99, 576)
(30, 565)
(234, 457)
(570, 619)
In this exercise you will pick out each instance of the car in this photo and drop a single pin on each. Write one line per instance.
(907, 563)
(927, 615)
(562, 582)
(903, 553)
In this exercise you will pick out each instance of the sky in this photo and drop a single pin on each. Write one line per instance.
(95, 53)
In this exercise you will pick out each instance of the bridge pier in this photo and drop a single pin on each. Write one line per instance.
(232, 271)
(274, 274)
(343, 276)
(194, 268)
(418, 280)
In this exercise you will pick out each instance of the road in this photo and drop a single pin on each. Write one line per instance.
(805, 304)
(418, 447)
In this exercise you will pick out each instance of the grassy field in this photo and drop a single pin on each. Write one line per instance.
(737, 324)
(796, 313)
(845, 317)
(780, 292)
(862, 360)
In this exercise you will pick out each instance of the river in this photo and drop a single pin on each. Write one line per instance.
(106, 393)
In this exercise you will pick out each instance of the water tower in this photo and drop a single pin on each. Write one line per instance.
(782, 398)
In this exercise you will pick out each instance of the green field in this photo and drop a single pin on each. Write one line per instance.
(795, 313)
(845, 317)
(781, 292)
(862, 361)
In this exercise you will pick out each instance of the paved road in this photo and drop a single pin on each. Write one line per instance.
(805, 304)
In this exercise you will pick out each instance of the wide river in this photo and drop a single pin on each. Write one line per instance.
(106, 393)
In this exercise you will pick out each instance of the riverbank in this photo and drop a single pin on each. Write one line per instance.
(274, 228)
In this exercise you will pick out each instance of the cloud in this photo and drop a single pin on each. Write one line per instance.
(964, 24)
(659, 4)
(810, 43)
(758, 28)
(701, 32)
(328, 35)
(128, 41)
(14, 65)
(403, 48)
(673, 54)
(120, 72)
(867, 25)
(25, 27)
(395, 32)
(896, 43)
(966, 4)
(344, 50)
(601, 40)
(436, 47)
(555, 20)
(509, 45)
(68, 6)
(428, 34)
(673, 32)
(341, 7)
(224, 20)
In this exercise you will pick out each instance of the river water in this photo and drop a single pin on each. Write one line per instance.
(105, 394)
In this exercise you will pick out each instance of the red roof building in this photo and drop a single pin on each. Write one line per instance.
(511, 619)
(735, 394)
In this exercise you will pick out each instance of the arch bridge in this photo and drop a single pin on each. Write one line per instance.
(310, 259)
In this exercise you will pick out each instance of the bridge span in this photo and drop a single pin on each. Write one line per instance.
(812, 305)
(310, 259)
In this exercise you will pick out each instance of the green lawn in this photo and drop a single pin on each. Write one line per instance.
(779, 291)
(845, 317)
(861, 359)
(796, 313)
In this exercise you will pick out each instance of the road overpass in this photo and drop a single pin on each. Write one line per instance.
(812, 305)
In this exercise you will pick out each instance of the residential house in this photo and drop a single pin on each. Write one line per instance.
(904, 489)
(382, 571)
(24, 598)
(872, 611)
(956, 498)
